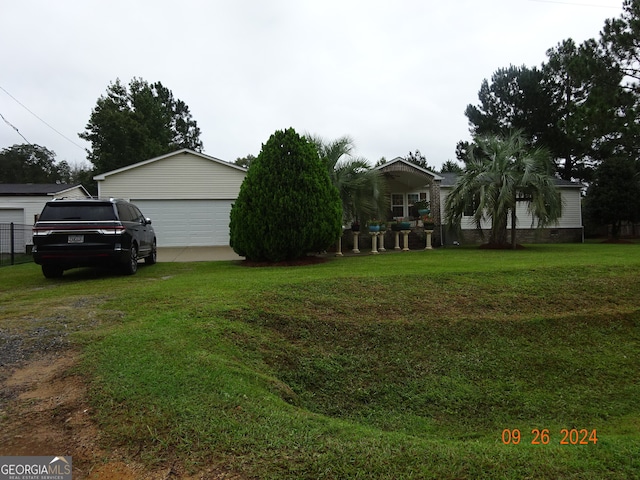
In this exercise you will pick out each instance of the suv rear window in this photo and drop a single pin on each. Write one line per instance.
(77, 211)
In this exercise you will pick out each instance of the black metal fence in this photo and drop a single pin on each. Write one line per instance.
(15, 243)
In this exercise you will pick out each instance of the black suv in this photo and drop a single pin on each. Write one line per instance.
(87, 233)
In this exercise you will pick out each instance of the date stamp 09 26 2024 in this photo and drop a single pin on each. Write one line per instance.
(573, 436)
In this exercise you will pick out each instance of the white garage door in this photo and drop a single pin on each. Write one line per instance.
(188, 223)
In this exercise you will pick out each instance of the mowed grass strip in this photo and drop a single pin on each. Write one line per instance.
(397, 366)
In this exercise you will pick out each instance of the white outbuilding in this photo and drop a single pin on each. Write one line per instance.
(188, 195)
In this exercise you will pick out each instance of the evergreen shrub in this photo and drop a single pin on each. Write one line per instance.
(287, 206)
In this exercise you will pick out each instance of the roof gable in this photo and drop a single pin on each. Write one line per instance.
(400, 163)
(103, 176)
(37, 189)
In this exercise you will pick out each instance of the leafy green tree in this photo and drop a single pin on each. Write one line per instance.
(133, 124)
(381, 161)
(500, 173)
(614, 196)
(287, 205)
(574, 107)
(361, 189)
(620, 46)
(592, 110)
(419, 159)
(245, 161)
(515, 99)
(26, 163)
(451, 167)
(83, 174)
(621, 41)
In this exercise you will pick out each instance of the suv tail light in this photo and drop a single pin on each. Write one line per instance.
(41, 232)
(117, 230)
(45, 231)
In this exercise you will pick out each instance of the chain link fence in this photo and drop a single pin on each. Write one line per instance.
(15, 243)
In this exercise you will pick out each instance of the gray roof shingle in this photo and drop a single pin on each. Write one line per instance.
(32, 189)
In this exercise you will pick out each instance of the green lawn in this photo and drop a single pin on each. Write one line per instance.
(398, 366)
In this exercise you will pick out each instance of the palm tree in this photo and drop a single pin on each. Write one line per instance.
(361, 188)
(499, 173)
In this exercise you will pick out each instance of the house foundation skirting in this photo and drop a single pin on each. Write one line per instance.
(523, 235)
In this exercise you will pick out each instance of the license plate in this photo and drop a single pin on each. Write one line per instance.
(75, 239)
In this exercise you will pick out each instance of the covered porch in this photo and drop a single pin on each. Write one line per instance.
(408, 184)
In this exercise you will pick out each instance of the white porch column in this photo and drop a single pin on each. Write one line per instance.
(397, 233)
(406, 233)
(374, 242)
(428, 232)
(355, 242)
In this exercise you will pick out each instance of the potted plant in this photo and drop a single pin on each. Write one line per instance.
(428, 222)
(355, 226)
(423, 207)
(395, 226)
(405, 224)
(374, 225)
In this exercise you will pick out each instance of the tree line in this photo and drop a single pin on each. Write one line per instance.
(129, 124)
(581, 106)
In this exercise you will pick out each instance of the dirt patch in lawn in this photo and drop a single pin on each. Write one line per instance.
(44, 410)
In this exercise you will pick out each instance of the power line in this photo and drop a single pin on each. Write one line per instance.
(14, 127)
(575, 4)
(27, 109)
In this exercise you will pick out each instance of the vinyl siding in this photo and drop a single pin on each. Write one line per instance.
(33, 205)
(30, 206)
(181, 176)
(571, 212)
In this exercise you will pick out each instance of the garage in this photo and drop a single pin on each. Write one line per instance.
(186, 194)
(7, 217)
(20, 203)
(12, 215)
(188, 223)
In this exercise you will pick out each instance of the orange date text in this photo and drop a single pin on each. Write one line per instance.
(542, 436)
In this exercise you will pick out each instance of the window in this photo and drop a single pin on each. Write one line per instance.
(124, 213)
(472, 206)
(77, 211)
(402, 206)
(137, 214)
(397, 205)
(413, 198)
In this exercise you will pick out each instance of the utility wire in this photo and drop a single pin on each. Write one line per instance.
(575, 4)
(27, 109)
(14, 127)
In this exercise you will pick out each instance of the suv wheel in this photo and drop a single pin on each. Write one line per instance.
(131, 267)
(153, 256)
(52, 271)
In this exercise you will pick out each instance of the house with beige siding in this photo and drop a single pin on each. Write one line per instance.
(407, 183)
(187, 195)
(568, 228)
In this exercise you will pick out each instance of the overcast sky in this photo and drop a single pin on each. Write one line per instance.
(396, 76)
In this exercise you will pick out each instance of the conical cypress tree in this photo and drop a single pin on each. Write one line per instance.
(287, 206)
